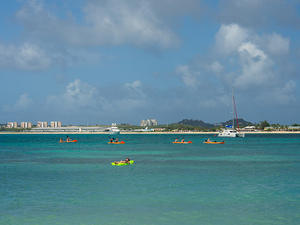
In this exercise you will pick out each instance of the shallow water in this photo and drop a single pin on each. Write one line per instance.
(252, 180)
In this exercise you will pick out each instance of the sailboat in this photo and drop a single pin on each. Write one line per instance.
(230, 130)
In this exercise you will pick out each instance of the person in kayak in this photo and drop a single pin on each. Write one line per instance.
(117, 140)
(111, 140)
(127, 160)
(68, 139)
(176, 140)
(182, 140)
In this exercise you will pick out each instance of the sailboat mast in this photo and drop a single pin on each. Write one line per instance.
(236, 116)
(233, 110)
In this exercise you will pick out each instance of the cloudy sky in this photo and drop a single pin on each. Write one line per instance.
(104, 61)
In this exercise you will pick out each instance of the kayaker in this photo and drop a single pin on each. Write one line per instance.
(61, 140)
(176, 140)
(111, 140)
(117, 140)
(127, 160)
(182, 140)
(68, 139)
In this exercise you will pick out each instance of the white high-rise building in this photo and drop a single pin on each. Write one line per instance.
(26, 125)
(12, 125)
(41, 124)
(55, 124)
(149, 123)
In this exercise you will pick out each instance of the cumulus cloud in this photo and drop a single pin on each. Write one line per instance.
(188, 76)
(59, 37)
(135, 88)
(216, 67)
(256, 67)
(26, 57)
(132, 22)
(77, 95)
(229, 38)
(23, 103)
(83, 98)
(246, 61)
(104, 22)
(277, 45)
(253, 54)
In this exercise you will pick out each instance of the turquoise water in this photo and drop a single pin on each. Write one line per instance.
(252, 180)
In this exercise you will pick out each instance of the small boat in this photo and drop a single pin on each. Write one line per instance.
(116, 142)
(114, 129)
(182, 142)
(214, 142)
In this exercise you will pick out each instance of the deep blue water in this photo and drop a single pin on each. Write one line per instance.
(251, 180)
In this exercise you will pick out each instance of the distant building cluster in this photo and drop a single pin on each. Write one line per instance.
(26, 125)
(55, 124)
(149, 123)
(12, 125)
(42, 124)
(29, 125)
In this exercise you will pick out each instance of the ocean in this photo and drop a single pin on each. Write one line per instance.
(251, 180)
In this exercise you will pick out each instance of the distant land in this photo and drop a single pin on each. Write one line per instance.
(196, 123)
(200, 123)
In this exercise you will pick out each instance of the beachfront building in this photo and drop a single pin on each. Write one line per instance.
(148, 123)
(55, 124)
(248, 128)
(294, 128)
(26, 125)
(41, 124)
(69, 129)
(12, 125)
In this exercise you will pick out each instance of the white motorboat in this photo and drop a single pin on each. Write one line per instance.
(114, 129)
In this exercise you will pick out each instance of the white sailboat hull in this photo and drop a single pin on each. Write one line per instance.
(230, 133)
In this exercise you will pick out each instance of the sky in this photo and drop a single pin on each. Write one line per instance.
(104, 61)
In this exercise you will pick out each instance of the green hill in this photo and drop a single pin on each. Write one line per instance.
(195, 123)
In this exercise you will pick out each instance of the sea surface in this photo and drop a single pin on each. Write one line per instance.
(251, 180)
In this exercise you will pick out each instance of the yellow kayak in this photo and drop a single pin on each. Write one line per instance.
(214, 142)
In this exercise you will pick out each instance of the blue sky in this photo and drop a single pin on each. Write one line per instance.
(104, 61)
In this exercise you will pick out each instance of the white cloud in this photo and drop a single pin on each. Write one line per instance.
(250, 57)
(135, 88)
(283, 95)
(78, 95)
(81, 97)
(230, 37)
(104, 22)
(216, 67)
(26, 57)
(256, 67)
(188, 76)
(249, 65)
(23, 103)
(277, 45)
(132, 22)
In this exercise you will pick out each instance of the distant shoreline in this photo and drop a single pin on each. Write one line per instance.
(178, 133)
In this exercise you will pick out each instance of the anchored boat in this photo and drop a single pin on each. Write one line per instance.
(230, 130)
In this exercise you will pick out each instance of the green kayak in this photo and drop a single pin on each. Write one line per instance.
(122, 164)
